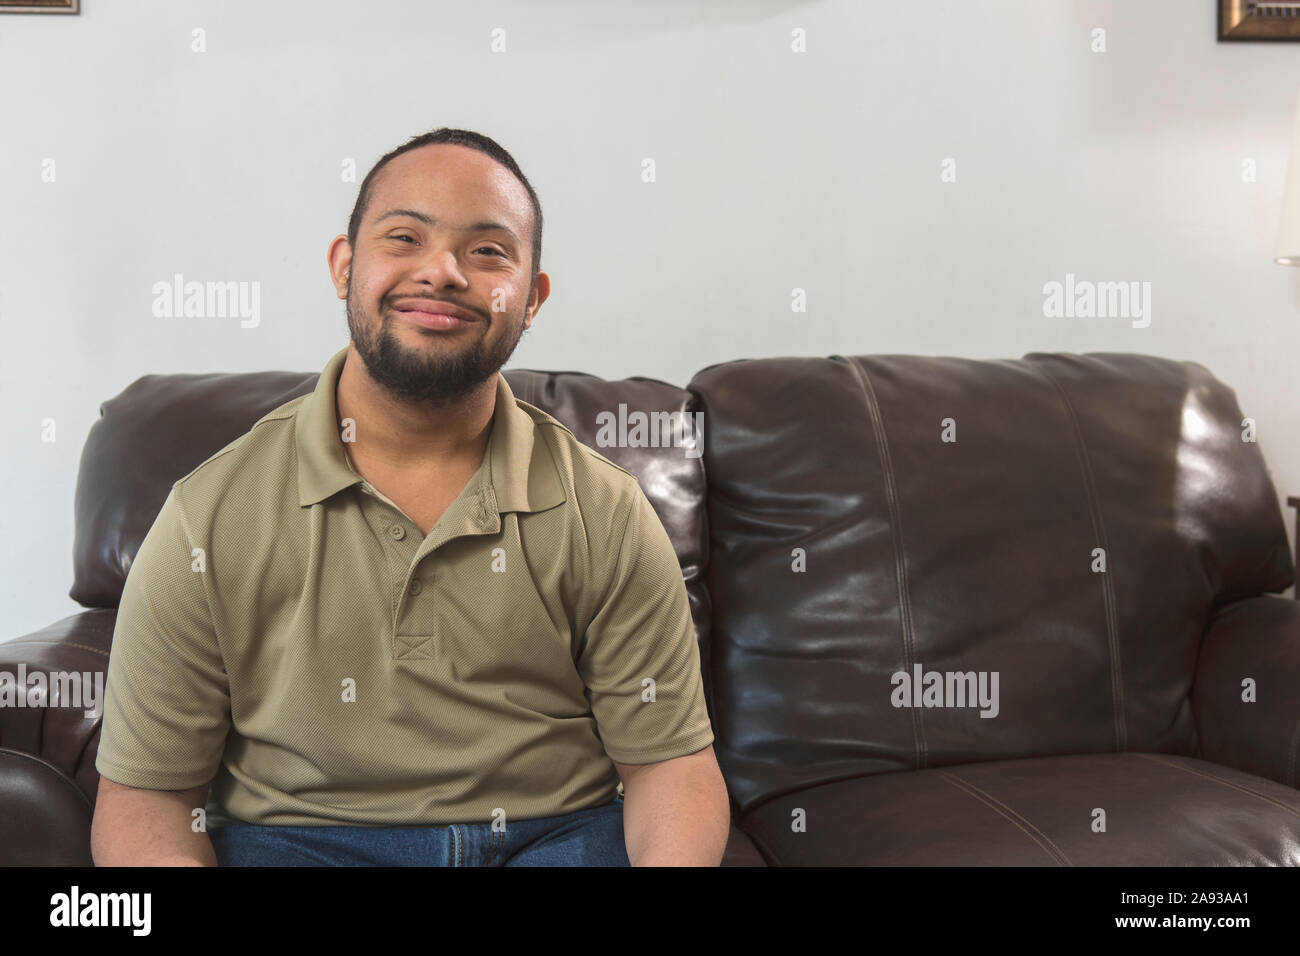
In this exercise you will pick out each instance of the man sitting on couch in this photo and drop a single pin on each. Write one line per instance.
(408, 619)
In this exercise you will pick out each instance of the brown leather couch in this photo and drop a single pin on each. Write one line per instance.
(1093, 529)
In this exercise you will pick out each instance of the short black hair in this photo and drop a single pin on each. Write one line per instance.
(457, 137)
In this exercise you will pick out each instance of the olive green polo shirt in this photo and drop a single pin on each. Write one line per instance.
(288, 634)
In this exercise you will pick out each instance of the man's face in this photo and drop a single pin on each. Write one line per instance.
(444, 225)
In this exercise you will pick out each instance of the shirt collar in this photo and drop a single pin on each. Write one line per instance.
(518, 473)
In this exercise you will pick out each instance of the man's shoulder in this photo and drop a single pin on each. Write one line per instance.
(260, 457)
(594, 478)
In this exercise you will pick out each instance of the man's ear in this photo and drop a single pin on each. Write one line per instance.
(339, 258)
(541, 289)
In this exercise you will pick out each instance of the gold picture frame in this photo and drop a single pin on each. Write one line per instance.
(1259, 20)
(40, 6)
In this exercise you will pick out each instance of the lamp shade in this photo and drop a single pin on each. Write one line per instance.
(1288, 242)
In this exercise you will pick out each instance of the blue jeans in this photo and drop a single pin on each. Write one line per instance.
(591, 837)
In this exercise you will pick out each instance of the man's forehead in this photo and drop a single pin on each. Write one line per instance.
(423, 174)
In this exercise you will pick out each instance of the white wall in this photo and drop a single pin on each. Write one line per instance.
(776, 170)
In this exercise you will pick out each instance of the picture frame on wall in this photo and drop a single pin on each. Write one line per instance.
(40, 6)
(1259, 20)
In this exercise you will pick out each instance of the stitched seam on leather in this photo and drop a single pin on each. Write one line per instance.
(1291, 757)
(1107, 586)
(1031, 831)
(1226, 783)
(896, 531)
(1291, 754)
(93, 650)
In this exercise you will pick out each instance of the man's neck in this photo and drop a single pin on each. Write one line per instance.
(394, 437)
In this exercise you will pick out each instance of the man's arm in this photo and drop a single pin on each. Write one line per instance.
(640, 662)
(675, 812)
(166, 707)
(134, 827)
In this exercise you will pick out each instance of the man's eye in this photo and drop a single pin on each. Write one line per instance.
(402, 237)
(495, 252)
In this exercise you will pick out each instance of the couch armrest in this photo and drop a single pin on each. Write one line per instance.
(1256, 638)
(48, 780)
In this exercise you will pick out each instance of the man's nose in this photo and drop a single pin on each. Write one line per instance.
(438, 266)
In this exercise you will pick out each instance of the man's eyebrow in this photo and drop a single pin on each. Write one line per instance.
(484, 225)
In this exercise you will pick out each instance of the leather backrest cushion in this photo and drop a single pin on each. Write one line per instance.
(161, 427)
(158, 430)
(969, 555)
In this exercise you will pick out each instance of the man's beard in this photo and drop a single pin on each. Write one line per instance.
(441, 375)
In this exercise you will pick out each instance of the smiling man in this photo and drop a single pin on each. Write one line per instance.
(428, 626)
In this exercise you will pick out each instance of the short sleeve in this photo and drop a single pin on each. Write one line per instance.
(640, 660)
(167, 703)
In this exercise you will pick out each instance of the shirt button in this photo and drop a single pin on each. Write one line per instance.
(398, 532)
(416, 587)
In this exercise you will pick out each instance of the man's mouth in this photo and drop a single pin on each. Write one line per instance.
(429, 314)
(434, 320)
